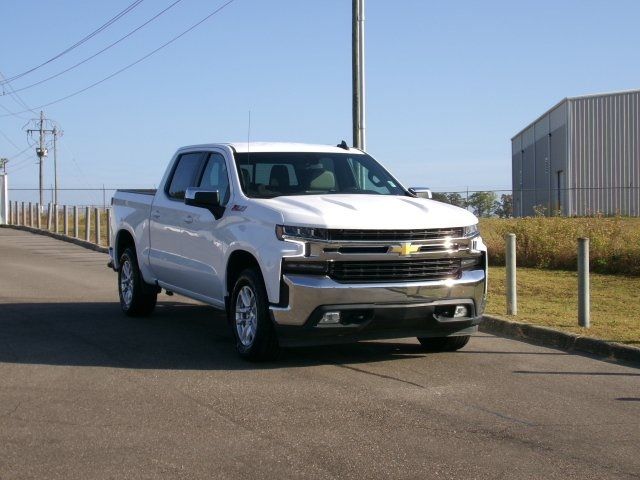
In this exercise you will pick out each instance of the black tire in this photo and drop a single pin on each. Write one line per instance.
(141, 300)
(255, 335)
(443, 344)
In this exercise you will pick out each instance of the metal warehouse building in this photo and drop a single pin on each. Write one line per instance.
(581, 157)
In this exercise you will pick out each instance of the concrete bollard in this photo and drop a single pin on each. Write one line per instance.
(65, 216)
(75, 221)
(510, 263)
(49, 218)
(97, 225)
(56, 220)
(584, 309)
(108, 227)
(87, 224)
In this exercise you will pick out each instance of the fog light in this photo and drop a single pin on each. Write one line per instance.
(461, 311)
(330, 318)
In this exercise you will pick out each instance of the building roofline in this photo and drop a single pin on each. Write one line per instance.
(566, 99)
(546, 112)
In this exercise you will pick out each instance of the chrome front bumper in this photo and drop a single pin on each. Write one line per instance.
(308, 293)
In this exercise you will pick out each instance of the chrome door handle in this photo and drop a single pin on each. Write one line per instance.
(155, 214)
(188, 219)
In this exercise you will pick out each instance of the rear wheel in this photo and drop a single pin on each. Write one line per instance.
(443, 344)
(249, 314)
(137, 298)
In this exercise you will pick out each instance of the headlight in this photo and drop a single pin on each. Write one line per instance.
(301, 233)
(471, 230)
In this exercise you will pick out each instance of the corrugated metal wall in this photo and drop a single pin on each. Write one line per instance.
(558, 143)
(580, 158)
(605, 154)
(539, 163)
(516, 175)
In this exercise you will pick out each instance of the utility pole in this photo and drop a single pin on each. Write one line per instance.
(357, 68)
(42, 152)
(55, 164)
(40, 127)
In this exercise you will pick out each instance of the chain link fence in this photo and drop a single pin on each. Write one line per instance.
(503, 203)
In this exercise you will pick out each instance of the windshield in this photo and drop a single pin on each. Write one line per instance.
(267, 175)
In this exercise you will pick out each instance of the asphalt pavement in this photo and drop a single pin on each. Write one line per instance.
(86, 392)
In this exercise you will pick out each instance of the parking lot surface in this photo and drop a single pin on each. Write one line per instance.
(86, 392)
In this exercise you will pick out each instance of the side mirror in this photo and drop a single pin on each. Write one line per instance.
(421, 192)
(209, 199)
(202, 198)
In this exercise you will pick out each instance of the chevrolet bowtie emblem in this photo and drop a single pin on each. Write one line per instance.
(405, 249)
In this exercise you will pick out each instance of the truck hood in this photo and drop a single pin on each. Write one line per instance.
(367, 212)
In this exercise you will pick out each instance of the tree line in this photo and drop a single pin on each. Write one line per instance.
(483, 204)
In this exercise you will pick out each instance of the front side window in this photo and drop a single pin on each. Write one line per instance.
(214, 177)
(184, 174)
(267, 175)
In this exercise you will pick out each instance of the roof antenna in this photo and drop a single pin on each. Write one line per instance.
(343, 145)
(248, 141)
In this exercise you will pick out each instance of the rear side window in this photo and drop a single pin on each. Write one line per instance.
(184, 174)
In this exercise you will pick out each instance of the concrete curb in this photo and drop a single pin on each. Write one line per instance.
(548, 337)
(59, 236)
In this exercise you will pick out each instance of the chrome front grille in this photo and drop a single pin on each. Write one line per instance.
(406, 270)
(394, 235)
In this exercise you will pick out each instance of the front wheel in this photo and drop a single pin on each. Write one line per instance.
(249, 311)
(137, 298)
(443, 344)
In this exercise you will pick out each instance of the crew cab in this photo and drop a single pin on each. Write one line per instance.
(300, 244)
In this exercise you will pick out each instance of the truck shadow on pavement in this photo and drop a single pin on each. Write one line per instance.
(177, 336)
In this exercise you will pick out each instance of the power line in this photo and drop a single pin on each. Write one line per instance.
(16, 166)
(9, 140)
(11, 114)
(20, 163)
(15, 97)
(77, 44)
(133, 63)
(19, 153)
(99, 52)
(22, 167)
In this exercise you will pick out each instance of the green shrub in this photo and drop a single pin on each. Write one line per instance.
(551, 242)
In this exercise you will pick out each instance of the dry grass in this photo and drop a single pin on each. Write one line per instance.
(550, 298)
(551, 242)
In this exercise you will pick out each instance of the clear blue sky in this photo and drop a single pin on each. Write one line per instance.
(448, 83)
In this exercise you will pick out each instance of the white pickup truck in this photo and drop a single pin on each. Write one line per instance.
(300, 244)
